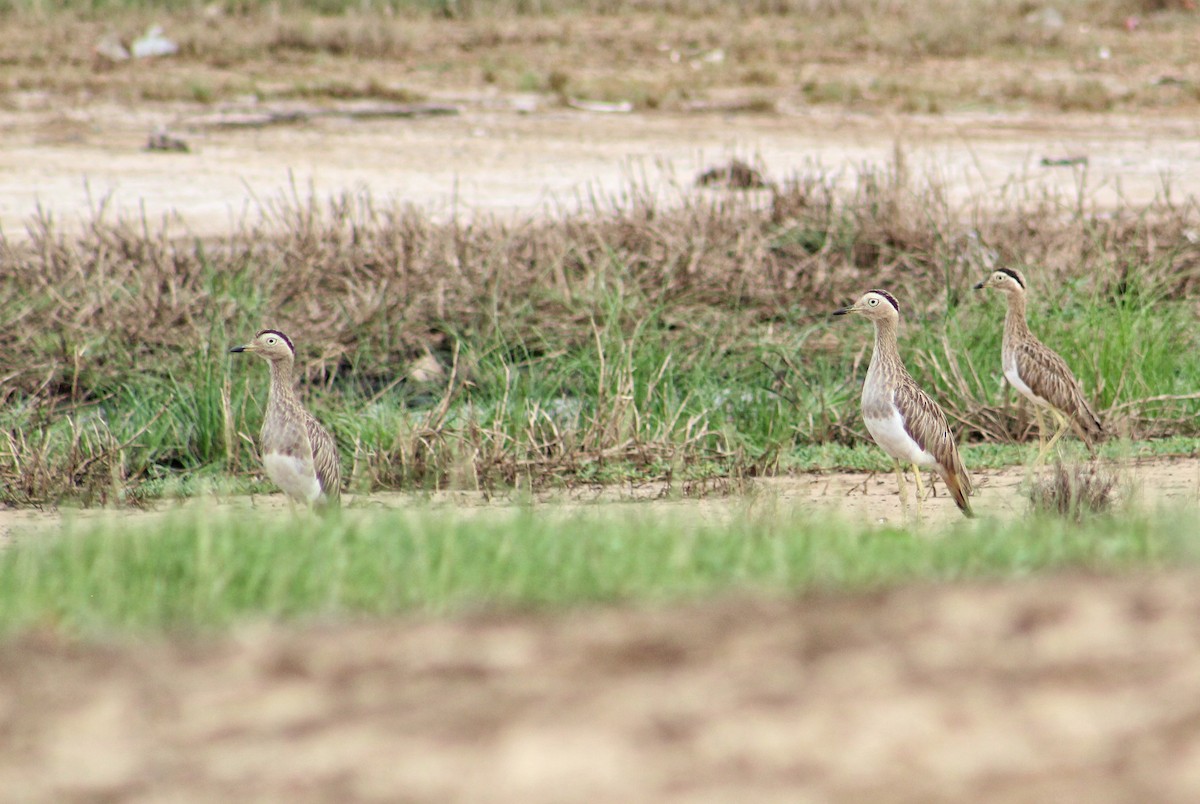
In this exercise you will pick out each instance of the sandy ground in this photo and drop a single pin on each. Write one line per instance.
(494, 158)
(856, 497)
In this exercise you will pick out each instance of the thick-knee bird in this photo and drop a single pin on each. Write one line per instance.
(300, 455)
(1038, 372)
(903, 419)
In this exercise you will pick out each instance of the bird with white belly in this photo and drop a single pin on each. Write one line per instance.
(1038, 372)
(901, 418)
(299, 455)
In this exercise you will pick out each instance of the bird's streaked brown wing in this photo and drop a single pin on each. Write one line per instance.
(1049, 376)
(326, 461)
(926, 424)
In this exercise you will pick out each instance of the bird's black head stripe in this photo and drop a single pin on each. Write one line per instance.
(1016, 277)
(285, 338)
(891, 299)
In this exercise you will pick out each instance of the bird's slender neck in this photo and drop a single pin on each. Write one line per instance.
(886, 358)
(1015, 324)
(886, 347)
(282, 382)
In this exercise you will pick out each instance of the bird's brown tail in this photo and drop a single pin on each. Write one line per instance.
(1087, 424)
(1089, 430)
(958, 490)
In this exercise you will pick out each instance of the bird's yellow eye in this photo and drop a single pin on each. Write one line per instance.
(873, 302)
(270, 341)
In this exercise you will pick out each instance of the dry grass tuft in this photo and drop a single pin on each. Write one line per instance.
(1074, 491)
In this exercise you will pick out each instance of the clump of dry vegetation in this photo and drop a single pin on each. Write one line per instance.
(1074, 491)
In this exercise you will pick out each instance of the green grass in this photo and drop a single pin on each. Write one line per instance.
(731, 406)
(740, 401)
(637, 400)
(190, 571)
(866, 457)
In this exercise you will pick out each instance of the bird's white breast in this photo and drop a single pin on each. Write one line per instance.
(1014, 379)
(294, 476)
(889, 434)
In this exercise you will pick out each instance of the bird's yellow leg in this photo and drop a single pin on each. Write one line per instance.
(1064, 424)
(903, 491)
(1044, 446)
(920, 489)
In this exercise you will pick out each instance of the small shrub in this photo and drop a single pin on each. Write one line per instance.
(1074, 490)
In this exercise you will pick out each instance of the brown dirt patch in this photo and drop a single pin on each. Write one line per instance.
(1063, 688)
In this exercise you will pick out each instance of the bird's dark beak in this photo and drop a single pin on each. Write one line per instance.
(981, 285)
(237, 349)
(843, 311)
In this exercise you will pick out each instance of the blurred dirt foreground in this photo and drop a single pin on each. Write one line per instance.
(1057, 689)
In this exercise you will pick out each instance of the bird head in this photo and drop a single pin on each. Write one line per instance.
(270, 344)
(1006, 280)
(877, 305)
